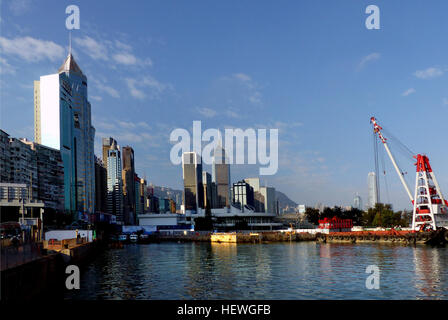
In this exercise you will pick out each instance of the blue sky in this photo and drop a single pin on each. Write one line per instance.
(309, 68)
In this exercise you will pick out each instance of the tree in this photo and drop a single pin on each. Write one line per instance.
(312, 215)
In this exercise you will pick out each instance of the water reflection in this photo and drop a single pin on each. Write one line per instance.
(264, 271)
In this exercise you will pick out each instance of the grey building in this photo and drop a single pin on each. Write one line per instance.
(193, 195)
(221, 177)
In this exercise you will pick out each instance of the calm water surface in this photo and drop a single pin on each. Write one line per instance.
(299, 270)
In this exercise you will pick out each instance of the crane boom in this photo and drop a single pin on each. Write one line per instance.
(377, 129)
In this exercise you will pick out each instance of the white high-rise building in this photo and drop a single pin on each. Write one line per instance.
(62, 120)
(357, 202)
(372, 190)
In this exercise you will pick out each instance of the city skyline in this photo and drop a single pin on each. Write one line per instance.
(322, 158)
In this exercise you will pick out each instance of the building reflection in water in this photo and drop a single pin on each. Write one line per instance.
(428, 270)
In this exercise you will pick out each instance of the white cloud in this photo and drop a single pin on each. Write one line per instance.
(428, 73)
(125, 58)
(253, 94)
(103, 87)
(96, 98)
(445, 101)
(5, 67)
(155, 87)
(19, 7)
(92, 48)
(408, 92)
(129, 59)
(242, 77)
(207, 112)
(371, 57)
(31, 49)
(233, 114)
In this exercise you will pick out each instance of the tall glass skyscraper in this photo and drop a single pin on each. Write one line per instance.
(63, 121)
(193, 187)
(114, 183)
(221, 177)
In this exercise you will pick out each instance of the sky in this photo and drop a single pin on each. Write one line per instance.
(308, 68)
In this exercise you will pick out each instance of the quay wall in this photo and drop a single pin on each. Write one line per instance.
(44, 278)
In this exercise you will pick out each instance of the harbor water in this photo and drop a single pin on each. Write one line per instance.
(296, 270)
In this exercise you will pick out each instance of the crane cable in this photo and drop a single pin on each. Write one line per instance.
(375, 151)
(386, 184)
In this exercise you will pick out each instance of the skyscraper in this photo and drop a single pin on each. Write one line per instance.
(128, 176)
(270, 199)
(114, 184)
(372, 189)
(107, 144)
(193, 188)
(208, 190)
(221, 177)
(63, 121)
(357, 202)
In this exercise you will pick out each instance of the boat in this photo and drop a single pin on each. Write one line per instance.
(133, 237)
(122, 237)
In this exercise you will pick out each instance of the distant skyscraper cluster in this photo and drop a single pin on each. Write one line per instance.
(216, 192)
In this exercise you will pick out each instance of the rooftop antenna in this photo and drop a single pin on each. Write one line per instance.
(70, 43)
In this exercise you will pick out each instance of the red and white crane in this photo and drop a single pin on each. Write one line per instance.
(430, 207)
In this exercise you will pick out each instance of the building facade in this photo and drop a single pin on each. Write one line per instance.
(5, 157)
(243, 195)
(50, 175)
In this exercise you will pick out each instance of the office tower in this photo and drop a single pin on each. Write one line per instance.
(100, 185)
(208, 190)
(221, 177)
(372, 190)
(193, 188)
(128, 176)
(63, 121)
(114, 184)
(107, 144)
(357, 202)
(50, 175)
(270, 199)
(243, 195)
